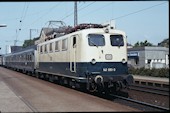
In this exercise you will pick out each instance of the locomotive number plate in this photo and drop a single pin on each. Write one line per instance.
(109, 69)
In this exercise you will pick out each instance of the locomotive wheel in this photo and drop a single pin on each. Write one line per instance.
(92, 87)
(51, 79)
(37, 75)
(82, 87)
(61, 81)
(46, 77)
(71, 84)
(28, 73)
(117, 86)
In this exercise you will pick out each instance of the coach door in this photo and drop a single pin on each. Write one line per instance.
(73, 47)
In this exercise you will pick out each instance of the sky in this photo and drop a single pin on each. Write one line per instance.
(140, 20)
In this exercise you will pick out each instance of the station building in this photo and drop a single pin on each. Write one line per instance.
(148, 57)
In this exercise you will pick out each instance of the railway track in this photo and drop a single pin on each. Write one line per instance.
(124, 97)
(145, 105)
(150, 89)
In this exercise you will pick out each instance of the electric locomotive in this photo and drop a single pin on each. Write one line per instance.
(90, 55)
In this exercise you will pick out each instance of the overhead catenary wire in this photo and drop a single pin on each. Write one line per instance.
(122, 15)
(29, 15)
(98, 9)
(138, 11)
(71, 12)
(79, 10)
(104, 7)
(24, 15)
(63, 17)
(45, 14)
(26, 5)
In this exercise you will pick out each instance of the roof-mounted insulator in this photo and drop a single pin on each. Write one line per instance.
(84, 26)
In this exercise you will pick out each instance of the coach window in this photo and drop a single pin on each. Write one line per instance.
(16, 58)
(51, 49)
(116, 40)
(13, 57)
(57, 46)
(96, 40)
(26, 57)
(30, 57)
(64, 44)
(20, 58)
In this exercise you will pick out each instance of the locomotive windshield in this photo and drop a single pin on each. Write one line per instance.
(116, 40)
(96, 40)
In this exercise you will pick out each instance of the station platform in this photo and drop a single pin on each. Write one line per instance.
(10, 102)
(151, 81)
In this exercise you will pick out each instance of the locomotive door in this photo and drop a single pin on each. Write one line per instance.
(73, 47)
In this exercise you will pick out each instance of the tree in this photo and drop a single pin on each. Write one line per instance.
(164, 43)
(29, 42)
(143, 44)
(146, 43)
(137, 44)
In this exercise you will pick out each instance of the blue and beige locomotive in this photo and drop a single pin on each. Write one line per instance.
(91, 56)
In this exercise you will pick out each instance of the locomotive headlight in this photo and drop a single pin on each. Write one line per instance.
(123, 61)
(93, 61)
(108, 56)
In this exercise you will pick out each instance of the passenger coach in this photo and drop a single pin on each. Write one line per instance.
(23, 60)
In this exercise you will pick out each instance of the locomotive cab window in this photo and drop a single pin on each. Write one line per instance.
(116, 40)
(96, 40)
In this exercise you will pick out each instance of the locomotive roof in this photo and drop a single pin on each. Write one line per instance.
(86, 31)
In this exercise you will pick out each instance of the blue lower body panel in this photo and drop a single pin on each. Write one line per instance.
(84, 69)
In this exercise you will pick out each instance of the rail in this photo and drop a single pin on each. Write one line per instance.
(150, 89)
(142, 103)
